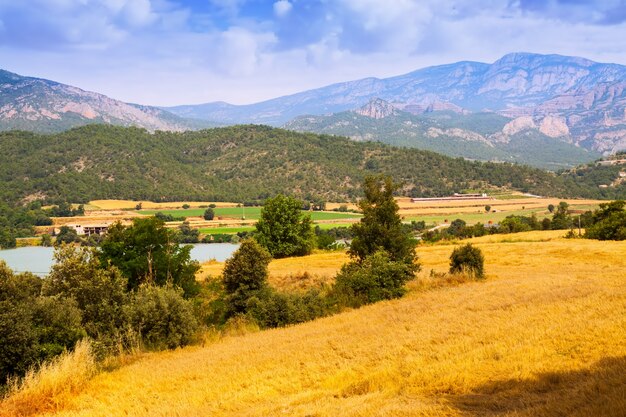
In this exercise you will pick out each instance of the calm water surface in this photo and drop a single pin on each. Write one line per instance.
(39, 260)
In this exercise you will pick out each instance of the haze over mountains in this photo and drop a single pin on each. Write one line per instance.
(568, 98)
(546, 110)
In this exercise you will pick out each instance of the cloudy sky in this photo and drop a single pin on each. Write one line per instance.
(168, 52)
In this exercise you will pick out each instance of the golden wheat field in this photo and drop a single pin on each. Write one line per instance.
(543, 335)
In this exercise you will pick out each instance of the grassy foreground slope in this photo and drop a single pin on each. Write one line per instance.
(542, 336)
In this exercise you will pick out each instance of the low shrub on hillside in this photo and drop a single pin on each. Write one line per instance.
(374, 279)
(469, 260)
(162, 317)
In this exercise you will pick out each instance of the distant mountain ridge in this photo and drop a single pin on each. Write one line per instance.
(588, 98)
(482, 136)
(40, 105)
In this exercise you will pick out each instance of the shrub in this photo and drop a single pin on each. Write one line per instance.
(270, 308)
(376, 278)
(209, 214)
(162, 317)
(469, 260)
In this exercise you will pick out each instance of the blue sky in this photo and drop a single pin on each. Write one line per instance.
(168, 52)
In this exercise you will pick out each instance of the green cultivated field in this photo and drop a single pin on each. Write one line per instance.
(252, 213)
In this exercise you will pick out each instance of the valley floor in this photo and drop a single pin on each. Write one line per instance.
(543, 335)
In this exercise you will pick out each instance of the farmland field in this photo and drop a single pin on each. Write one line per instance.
(534, 339)
(252, 213)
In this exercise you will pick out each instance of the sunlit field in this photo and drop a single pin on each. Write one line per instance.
(543, 335)
(130, 204)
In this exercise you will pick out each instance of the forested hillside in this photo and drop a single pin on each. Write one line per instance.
(242, 163)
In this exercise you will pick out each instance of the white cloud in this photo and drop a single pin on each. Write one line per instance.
(282, 8)
(239, 51)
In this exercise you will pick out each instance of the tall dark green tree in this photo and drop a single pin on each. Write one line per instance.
(148, 252)
(283, 229)
(245, 275)
(561, 218)
(381, 227)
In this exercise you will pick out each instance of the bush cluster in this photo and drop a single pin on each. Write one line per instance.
(40, 319)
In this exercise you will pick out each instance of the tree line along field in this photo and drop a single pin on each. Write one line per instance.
(432, 212)
(534, 339)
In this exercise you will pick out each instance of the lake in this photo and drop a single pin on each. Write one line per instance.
(39, 260)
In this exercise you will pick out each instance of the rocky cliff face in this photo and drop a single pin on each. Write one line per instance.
(377, 108)
(41, 105)
(566, 97)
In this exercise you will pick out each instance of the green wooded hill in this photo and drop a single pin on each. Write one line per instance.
(242, 163)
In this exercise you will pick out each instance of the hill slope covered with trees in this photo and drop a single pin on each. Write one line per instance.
(243, 163)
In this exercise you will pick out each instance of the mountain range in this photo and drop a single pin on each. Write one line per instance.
(567, 98)
(481, 135)
(39, 105)
(550, 111)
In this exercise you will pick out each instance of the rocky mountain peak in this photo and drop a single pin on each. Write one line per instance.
(377, 108)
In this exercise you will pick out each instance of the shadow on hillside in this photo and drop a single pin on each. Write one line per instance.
(598, 391)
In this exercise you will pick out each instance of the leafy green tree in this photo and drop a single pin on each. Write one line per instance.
(32, 328)
(468, 259)
(147, 252)
(100, 293)
(209, 214)
(381, 227)
(487, 208)
(561, 218)
(551, 208)
(245, 275)
(283, 229)
(66, 235)
(609, 222)
(187, 234)
(456, 228)
(7, 238)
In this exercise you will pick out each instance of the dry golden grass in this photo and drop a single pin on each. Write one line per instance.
(285, 274)
(407, 208)
(542, 336)
(149, 205)
(53, 385)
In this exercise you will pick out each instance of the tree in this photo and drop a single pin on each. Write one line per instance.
(209, 214)
(245, 275)
(381, 227)
(469, 260)
(456, 227)
(67, 235)
(487, 208)
(551, 208)
(283, 229)
(561, 218)
(100, 293)
(609, 222)
(187, 234)
(148, 252)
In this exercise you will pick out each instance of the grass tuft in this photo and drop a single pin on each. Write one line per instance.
(49, 387)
